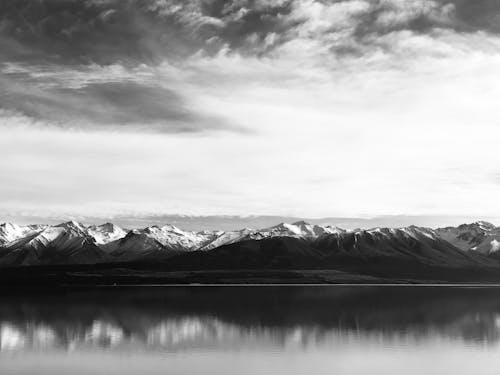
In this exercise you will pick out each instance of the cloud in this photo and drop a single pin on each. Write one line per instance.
(354, 107)
(480, 15)
(103, 32)
(159, 63)
(149, 31)
(101, 98)
(113, 104)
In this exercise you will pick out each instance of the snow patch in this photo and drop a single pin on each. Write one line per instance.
(495, 246)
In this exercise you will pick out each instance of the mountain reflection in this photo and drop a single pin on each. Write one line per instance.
(205, 318)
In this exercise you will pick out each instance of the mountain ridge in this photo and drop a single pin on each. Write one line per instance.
(75, 243)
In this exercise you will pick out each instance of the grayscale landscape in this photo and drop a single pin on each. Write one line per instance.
(249, 187)
(73, 253)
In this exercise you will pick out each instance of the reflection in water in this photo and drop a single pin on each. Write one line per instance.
(214, 321)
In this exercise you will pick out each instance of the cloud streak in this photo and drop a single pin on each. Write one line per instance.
(118, 105)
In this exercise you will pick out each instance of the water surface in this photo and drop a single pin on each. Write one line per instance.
(251, 330)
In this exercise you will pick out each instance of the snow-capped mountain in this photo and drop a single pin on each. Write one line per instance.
(61, 244)
(106, 233)
(409, 243)
(169, 240)
(155, 241)
(10, 232)
(391, 250)
(480, 236)
(300, 229)
(74, 242)
(224, 238)
(177, 239)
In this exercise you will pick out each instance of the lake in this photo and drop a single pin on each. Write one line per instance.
(251, 330)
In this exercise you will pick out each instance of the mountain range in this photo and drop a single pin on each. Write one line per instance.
(299, 245)
(73, 242)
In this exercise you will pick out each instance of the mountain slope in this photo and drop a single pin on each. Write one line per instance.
(169, 240)
(11, 232)
(156, 241)
(106, 233)
(66, 243)
(481, 237)
(410, 245)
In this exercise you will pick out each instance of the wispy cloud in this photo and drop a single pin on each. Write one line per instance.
(119, 104)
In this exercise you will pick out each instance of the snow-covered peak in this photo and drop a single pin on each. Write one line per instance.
(106, 233)
(66, 235)
(173, 229)
(11, 232)
(73, 225)
(415, 232)
(170, 227)
(50, 234)
(476, 236)
(221, 238)
(10, 229)
(484, 225)
(478, 226)
(288, 229)
(297, 229)
(310, 230)
(70, 236)
(172, 237)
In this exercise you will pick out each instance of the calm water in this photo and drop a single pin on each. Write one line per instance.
(252, 330)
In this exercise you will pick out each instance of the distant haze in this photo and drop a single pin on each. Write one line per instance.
(197, 223)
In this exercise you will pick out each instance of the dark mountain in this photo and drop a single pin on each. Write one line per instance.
(410, 253)
(481, 237)
(409, 245)
(66, 243)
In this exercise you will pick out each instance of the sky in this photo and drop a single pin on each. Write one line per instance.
(300, 108)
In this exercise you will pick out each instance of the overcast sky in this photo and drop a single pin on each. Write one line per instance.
(304, 108)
